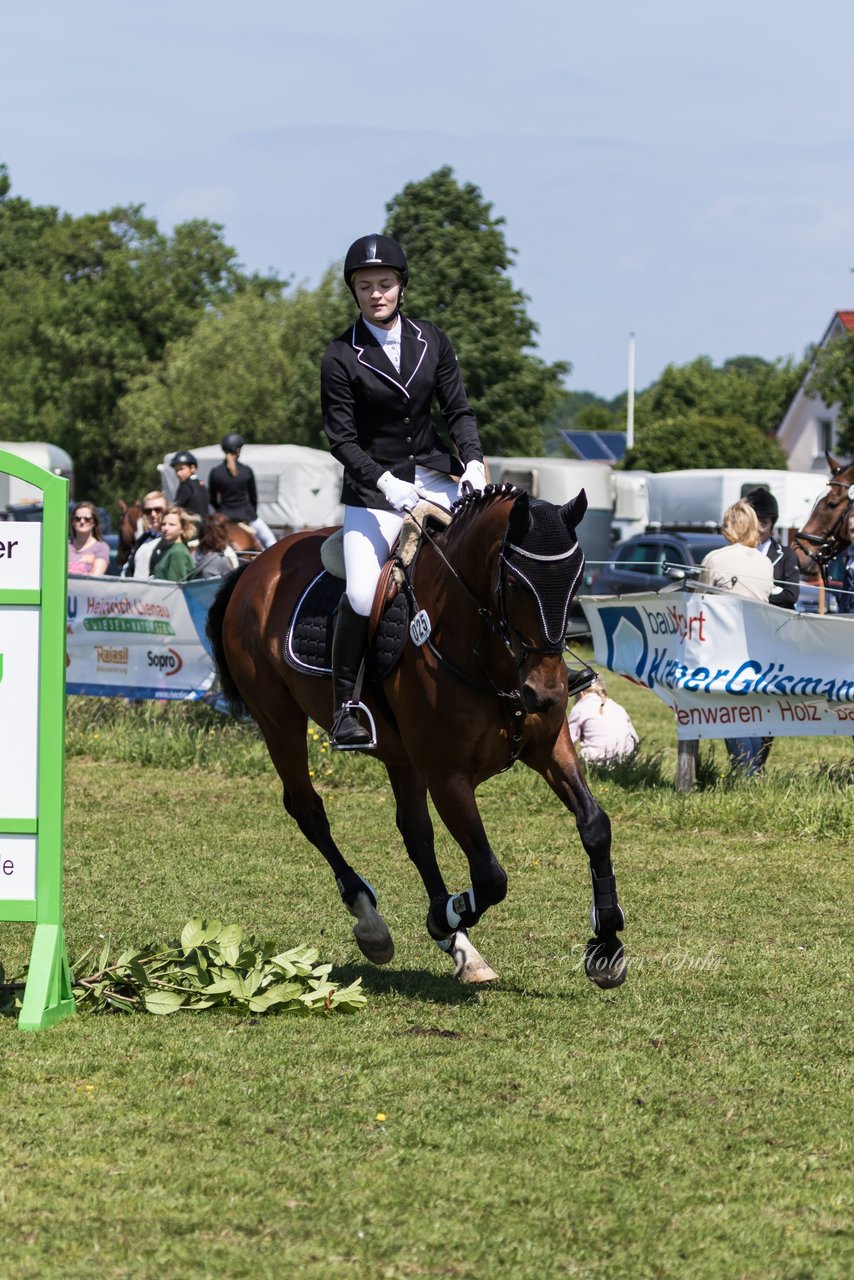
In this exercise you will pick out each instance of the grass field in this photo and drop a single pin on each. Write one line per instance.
(693, 1123)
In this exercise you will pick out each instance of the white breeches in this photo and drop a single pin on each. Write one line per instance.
(370, 534)
(263, 532)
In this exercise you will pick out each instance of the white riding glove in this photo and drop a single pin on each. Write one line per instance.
(402, 495)
(475, 475)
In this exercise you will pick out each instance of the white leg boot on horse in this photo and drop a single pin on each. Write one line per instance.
(348, 652)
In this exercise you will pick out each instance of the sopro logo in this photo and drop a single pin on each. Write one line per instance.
(168, 662)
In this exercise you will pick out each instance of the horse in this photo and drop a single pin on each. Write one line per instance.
(825, 533)
(481, 683)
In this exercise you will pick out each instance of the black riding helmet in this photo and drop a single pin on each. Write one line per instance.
(184, 459)
(232, 442)
(375, 251)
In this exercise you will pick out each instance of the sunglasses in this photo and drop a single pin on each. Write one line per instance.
(84, 519)
(154, 511)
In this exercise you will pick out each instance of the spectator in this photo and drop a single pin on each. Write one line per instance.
(784, 566)
(210, 557)
(739, 568)
(233, 491)
(840, 573)
(191, 495)
(787, 575)
(744, 571)
(87, 551)
(140, 562)
(175, 564)
(600, 727)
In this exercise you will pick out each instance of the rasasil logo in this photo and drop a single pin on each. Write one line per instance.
(167, 661)
(111, 657)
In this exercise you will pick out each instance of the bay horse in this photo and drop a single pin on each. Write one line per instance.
(486, 687)
(825, 533)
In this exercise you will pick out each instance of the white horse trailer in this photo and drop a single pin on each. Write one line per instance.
(15, 492)
(298, 487)
(686, 498)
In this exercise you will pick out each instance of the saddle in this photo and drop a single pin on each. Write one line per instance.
(308, 639)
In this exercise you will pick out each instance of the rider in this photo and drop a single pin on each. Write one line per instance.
(787, 575)
(191, 495)
(377, 384)
(233, 493)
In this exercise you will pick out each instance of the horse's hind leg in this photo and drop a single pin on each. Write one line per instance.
(604, 960)
(416, 828)
(284, 728)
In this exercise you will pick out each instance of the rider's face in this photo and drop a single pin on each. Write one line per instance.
(377, 290)
(765, 527)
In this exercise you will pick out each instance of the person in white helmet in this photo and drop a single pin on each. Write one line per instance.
(378, 382)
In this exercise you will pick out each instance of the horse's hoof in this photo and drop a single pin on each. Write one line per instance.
(377, 950)
(470, 966)
(371, 931)
(604, 966)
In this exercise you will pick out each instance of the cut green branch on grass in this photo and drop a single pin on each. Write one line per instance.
(213, 966)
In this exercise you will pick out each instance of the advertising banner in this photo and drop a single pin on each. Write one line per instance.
(138, 639)
(730, 667)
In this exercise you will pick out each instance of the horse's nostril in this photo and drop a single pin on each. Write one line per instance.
(539, 699)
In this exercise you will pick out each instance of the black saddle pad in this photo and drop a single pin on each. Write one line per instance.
(308, 640)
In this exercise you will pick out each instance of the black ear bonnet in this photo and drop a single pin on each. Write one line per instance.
(541, 549)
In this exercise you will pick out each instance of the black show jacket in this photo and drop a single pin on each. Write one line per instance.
(377, 419)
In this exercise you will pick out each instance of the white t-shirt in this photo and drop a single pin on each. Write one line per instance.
(601, 730)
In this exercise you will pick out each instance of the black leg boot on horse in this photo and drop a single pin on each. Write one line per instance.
(349, 645)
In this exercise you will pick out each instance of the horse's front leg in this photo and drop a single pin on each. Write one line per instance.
(416, 828)
(604, 960)
(455, 802)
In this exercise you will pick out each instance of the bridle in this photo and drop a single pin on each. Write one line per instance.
(501, 627)
(828, 544)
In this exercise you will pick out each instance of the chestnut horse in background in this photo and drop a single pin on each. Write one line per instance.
(825, 533)
(487, 686)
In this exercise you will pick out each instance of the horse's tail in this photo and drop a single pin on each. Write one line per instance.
(213, 630)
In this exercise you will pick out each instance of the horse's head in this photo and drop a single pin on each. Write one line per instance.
(827, 531)
(539, 572)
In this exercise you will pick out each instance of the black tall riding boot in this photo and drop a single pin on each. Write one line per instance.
(348, 650)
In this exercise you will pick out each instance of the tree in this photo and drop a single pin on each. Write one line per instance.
(89, 303)
(832, 378)
(459, 265)
(697, 440)
(746, 387)
(250, 366)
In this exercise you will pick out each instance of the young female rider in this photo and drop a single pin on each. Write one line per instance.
(377, 385)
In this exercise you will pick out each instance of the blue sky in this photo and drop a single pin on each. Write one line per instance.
(681, 171)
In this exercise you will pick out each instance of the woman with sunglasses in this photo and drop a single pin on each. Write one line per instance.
(87, 551)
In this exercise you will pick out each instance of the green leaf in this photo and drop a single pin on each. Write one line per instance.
(162, 1001)
(192, 935)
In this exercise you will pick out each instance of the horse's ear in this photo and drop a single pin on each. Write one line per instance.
(835, 467)
(123, 506)
(520, 519)
(572, 512)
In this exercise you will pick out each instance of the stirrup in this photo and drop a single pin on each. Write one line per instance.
(348, 708)
(577, 681)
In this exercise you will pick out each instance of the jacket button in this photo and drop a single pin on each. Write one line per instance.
(409, 439)
(406, 421)
(412, 457)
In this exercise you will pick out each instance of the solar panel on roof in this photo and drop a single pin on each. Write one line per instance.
(597, 446)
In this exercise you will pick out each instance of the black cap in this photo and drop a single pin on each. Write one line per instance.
(764, 504)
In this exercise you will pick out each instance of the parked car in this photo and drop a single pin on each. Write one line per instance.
(650, 561)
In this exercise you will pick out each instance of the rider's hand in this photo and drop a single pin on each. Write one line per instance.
(475, 475)
(402, 495)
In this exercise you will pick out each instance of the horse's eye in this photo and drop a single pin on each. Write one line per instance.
(512, 583)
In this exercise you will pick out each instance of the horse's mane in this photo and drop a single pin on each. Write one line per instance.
(470, 508)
